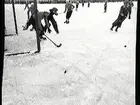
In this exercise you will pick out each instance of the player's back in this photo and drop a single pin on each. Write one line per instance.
(124, 10)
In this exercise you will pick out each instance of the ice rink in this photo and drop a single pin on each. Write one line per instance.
(100, 69)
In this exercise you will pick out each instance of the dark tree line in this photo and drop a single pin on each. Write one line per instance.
(57, 1)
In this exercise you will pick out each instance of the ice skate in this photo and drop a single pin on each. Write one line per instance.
(112, 28)
(67, 22)
(24, 27)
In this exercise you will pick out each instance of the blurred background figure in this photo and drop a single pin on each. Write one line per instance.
(105, 6)
(82, 3)
(88, 3)
(77, 5)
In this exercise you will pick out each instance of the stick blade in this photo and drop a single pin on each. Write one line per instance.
(59, 45)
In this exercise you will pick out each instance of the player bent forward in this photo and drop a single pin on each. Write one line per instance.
(122, 16)
(69, 8)
(47, 16)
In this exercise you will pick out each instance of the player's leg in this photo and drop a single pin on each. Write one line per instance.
(120, 21)
(112, 27)
(129, 13)
(41, 32)
(114, 24)
(68, 16)
(116, 28)
(55, 26)
(31, 21)
(28, 14)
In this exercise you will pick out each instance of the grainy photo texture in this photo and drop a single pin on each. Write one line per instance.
(69, 52)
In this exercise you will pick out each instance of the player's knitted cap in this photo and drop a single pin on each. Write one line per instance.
(54, 10)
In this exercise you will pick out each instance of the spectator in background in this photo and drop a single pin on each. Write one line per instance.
(77, 5)
(105, 6)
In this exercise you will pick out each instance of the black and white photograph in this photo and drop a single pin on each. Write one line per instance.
(69, 52)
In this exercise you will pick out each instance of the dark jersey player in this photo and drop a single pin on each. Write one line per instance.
(122, 16)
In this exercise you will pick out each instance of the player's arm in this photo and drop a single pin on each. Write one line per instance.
(121, 11)
(25, 6)
(65, 8)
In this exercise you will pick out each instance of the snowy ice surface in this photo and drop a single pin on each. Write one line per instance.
(100, 70)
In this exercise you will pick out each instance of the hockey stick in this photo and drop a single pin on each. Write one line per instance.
(17, 53)
(22, 53)
(10, 35)
(53, 42)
